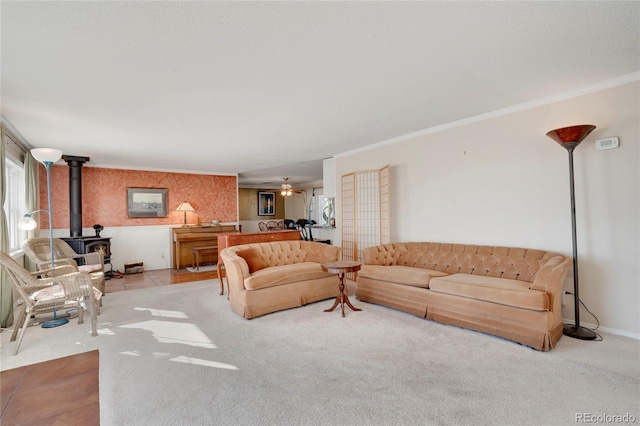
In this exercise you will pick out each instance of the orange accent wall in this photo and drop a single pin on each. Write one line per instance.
(104, 196)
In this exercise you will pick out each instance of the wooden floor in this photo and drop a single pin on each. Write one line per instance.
(65, 391)
(156, 278)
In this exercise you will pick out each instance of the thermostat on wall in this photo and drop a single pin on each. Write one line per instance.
(607, 143)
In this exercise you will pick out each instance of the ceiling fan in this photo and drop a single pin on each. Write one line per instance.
(287, 189)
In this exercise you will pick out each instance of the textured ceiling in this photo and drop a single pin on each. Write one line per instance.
(269, 89)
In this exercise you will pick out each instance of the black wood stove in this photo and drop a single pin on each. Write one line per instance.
(83, 245)
(80, 244)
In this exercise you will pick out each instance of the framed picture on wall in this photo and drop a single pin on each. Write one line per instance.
(266, 203)
(146, 202)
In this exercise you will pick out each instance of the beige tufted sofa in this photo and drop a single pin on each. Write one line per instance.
(269, 277)
(514, 293)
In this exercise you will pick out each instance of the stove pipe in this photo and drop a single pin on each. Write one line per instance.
(75, 193)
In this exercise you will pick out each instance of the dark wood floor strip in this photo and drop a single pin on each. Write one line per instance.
(51, 389)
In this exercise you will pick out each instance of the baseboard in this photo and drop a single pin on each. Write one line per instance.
(617, 332)
(205, 268)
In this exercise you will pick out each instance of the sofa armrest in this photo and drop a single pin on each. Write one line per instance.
(550, 278)
(236, 269)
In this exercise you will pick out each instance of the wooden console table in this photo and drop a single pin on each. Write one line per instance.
(186, 238)
(228, 239)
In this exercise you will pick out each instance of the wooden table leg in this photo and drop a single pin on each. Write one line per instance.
(342, 297)
(220, 277)
(177, 251)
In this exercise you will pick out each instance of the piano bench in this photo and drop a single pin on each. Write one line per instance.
(196, 251)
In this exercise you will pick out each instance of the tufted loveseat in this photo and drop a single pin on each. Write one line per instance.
(269, 277)
(510, 292)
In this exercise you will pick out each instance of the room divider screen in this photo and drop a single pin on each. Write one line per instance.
(366, 208)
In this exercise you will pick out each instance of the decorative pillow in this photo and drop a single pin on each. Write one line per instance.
(253, 259)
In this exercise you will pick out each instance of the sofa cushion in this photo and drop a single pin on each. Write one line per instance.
(407, 275)
(91, 268)
(49, 293)
(57, 292)
(285, 274)
(253, 259)
(497, 290)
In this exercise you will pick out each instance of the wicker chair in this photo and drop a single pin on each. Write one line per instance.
(262, 226)
(63, 289)
(272, 225)
(39, 251)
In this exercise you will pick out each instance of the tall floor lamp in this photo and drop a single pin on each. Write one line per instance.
(570, 138)
(46, 156)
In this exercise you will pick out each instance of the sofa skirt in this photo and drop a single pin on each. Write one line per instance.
(255, 303)
(528, 327)
(401, 297)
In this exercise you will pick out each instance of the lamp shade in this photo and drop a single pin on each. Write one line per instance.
(27, 223)
(572, 135)
(185, 207)
(46, 155)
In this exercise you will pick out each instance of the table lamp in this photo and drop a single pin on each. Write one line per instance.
(185, 207)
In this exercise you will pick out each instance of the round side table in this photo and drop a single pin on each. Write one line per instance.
(341, 268)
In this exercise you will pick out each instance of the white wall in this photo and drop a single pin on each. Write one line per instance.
(329, 177)
(294, 206)
(152, 245)
(250, 226)
(501, 181)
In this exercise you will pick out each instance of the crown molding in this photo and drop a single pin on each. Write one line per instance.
(607, 84)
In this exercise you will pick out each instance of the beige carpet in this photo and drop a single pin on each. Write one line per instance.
(177, 355)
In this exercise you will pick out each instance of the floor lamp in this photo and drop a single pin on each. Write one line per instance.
(46, 156)
(570, 138)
